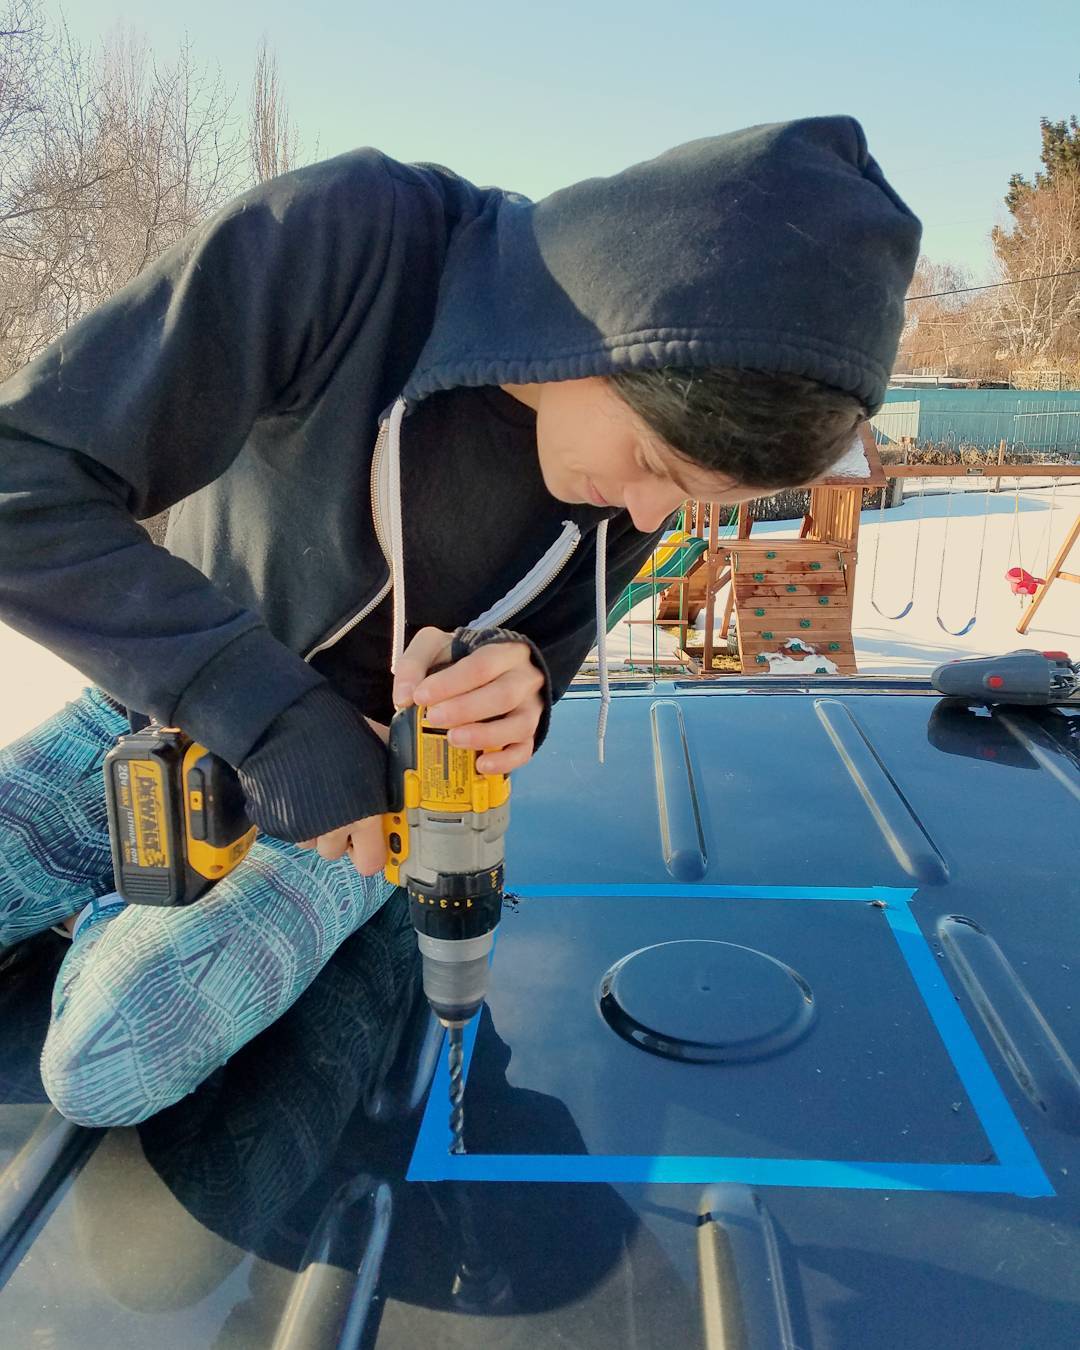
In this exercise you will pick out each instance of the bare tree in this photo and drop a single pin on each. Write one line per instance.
(171, 130)
(932, 335)
(114, 159)
(21, 39)
(1039, 315)
(106, 160)
(273, 144)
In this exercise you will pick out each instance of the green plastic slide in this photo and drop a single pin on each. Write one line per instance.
(671, 560)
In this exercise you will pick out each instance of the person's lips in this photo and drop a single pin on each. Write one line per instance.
(594, 496)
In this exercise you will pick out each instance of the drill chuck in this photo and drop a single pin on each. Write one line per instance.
(455, 975)
(455, 920)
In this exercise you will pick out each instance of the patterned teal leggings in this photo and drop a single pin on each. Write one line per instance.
(149, 1001)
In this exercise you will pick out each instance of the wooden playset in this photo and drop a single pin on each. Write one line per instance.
(791, 598)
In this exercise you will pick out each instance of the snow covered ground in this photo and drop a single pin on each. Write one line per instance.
(982, 535)
(982, 538)
(36, 683)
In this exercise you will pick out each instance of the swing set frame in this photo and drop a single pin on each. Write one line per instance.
(1054, 573)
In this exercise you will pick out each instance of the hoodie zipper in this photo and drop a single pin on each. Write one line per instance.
(524, 593)
(533, 582)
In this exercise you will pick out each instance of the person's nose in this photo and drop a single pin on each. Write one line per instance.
(651, 502)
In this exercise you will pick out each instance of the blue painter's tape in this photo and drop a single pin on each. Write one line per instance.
(1017, 1172)
(995, 1115)
(699, 1171)
(890, 894)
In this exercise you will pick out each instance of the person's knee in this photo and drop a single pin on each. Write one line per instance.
(112, 1061)
(82, 1103)
(92, 1087)
(121, 1043)
(105, 1064)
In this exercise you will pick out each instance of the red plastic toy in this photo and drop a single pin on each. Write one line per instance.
(1022, 582)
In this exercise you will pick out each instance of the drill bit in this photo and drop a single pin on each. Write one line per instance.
(457, 1088)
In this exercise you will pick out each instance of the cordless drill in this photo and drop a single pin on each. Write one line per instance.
(445, 836)
(178, 824)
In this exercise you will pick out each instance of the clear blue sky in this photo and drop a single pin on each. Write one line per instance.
(534, 98)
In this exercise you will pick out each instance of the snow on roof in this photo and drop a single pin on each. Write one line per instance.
(853, 463)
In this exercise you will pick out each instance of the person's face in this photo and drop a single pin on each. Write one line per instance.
(594, 448)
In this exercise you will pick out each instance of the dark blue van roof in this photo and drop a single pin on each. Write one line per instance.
(779, 1051)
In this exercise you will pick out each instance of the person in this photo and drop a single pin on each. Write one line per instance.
(359, 374)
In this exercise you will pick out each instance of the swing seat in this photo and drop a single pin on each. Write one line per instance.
(1021, 582)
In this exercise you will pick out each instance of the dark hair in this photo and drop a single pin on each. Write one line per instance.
(758, 428)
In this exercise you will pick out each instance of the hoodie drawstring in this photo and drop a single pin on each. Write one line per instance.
(601, 632)
(397, 549)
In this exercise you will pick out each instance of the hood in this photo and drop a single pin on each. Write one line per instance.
(779, 247)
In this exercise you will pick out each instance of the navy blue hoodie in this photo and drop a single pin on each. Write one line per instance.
(261, 373)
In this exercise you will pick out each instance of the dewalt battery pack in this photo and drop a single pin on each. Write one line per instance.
(177, 817)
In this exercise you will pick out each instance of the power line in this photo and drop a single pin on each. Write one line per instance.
(953, 348)
(994, 285)
(959, 346)
(928, 345)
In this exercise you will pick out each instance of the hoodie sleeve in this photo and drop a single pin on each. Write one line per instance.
(150, 397)
(564, 627)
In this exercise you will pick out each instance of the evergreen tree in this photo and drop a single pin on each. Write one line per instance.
(1060, 157)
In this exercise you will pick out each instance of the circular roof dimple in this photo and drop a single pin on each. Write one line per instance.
(706, 1002)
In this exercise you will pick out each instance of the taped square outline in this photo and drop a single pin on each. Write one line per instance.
(1017, 1171)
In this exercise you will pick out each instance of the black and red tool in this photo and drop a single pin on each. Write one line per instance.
(1024, 676)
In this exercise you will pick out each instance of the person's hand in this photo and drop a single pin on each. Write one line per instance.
(362, 839)
(491, 699)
